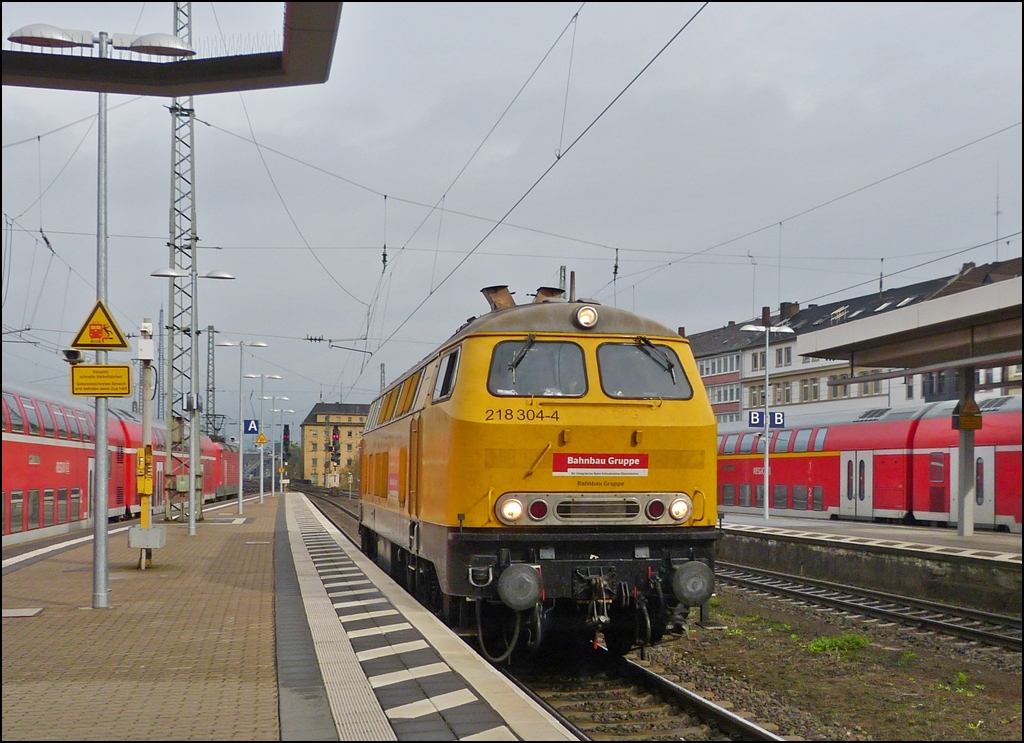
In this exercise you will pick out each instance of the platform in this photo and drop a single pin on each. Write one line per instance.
(268, 626)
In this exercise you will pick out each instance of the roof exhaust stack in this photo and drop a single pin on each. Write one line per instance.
(499, 297)
(546, 293)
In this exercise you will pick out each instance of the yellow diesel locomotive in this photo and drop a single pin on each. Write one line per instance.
(550, 467)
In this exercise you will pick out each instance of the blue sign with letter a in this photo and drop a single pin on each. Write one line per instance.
(251, 426)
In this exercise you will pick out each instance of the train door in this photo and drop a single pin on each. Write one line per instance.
(984, 486)
(856, 501)
(414, 481)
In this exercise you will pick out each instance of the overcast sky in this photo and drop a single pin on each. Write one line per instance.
(771, 152)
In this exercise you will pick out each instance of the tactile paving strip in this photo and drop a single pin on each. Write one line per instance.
(416, 694)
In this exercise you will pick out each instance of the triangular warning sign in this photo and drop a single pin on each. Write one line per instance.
(261, 439)
(100, 332)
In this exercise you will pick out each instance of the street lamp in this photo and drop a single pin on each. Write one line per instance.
(241, 430)
(262, 398)
(192, 404)
(273, 442)
(767, 329)
(45, 35)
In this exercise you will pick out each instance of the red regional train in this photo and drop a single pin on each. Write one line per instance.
(48, 464)
(887, 464)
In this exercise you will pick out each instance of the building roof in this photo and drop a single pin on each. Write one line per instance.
(334, 408)
(819, 317)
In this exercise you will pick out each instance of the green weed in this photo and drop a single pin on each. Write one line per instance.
(842, 646)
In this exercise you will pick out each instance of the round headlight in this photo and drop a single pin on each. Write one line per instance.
(681, 508)
(586, 316)
(511, 510)
(538, 510)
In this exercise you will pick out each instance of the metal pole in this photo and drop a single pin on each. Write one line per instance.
(241, 430)
(261, 445)
(968, 479)
(767, 331)
(273, 445)
(193, 415)
(101, 495)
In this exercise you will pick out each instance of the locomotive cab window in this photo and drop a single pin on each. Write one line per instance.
(642, 370)
(531, 368)
(446, 375)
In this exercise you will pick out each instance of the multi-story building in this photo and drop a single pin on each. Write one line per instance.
(330, 443)
(733, 361)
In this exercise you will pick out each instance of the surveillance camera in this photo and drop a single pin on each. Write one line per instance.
(72, 356)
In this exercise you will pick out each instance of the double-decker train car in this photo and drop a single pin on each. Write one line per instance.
(49, 458)
(899, 464)
(549, 467)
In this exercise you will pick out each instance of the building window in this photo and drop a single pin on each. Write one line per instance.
(784, 356)
(313, 446)
(838, 391)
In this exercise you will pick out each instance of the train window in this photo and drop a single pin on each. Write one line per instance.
(387, 407)
(800, 498)
(76, 504)
(803, 438)
(728, 494)
(818, 497)
(446, 376)
(49, 427)
(642, 370)
(14, 411)
(48, 503)
(782, 441)
(937, 467)
(90, 421)
(76, 432)
(412, 385)
(745, 494)
(719, 446)
(780, 496)
(62, 423)
(759, 496)
(527, 368)
(33, 509)
(31, 416)
(730, 443)
(819, 439)
(62, 505)
(849, 480)
(17, 511)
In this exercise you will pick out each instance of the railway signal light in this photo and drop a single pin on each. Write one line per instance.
(286, 442)
(336, 439)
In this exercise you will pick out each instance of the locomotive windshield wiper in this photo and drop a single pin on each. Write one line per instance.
(661, 359)
(520, 355)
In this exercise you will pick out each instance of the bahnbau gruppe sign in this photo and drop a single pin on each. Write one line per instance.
(621, 465)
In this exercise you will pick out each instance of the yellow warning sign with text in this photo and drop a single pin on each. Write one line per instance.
(100, 332)
(261, 439)
(101, 380)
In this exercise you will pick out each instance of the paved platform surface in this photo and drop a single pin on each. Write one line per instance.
(263, 626)
(983, 545)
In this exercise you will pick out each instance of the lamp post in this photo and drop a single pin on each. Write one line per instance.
(262, 398)
(241, 430)
(273, 442)
(767, 329)
(192, 404)
(47, 36)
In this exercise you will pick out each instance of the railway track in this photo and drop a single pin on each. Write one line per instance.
(608, 698)
(613, 698)
(978, 626)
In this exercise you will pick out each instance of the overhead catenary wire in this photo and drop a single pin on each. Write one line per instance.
(547, 170)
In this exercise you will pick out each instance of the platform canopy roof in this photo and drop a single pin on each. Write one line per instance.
(310, 33)
(973, 321)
